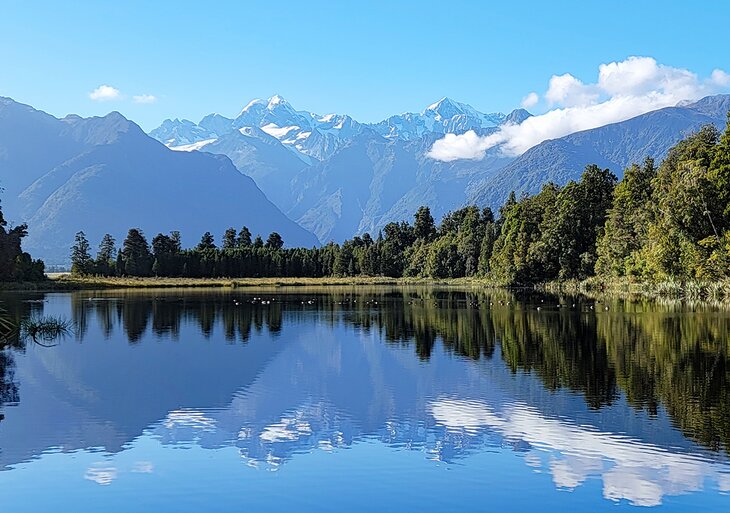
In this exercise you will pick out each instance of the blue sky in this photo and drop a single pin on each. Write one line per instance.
(368, 59)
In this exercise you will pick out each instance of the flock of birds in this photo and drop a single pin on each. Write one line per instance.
(373, 302)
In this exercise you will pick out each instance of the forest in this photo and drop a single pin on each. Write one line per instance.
(15, 264)
(661, 222)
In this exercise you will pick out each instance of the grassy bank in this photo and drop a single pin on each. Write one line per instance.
(93, 282)
(718, 291)
(689, 290)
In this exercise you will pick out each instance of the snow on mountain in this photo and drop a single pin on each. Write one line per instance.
(176, 132)
(335, 175)
(308, 135)
(444, 116)
(320, 136)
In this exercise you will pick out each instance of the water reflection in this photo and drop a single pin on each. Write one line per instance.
(633, 394)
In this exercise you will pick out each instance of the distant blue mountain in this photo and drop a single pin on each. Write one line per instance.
(106, 175)
(337, 177)
(614, 146)
(334, 176)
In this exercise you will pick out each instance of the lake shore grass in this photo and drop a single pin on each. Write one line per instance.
(691, 290)
(68, 282)
(688, 290)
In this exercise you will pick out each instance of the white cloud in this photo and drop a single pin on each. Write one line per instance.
(720, 78)
(144, 98)
(568, 91)
(631, 469)
(464, 146)
(105, 93)
(623, 90)
(530, 100)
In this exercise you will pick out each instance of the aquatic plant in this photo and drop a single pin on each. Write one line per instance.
(7, 326)
(45, 329)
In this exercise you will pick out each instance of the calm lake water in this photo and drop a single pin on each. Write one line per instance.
(365, 399)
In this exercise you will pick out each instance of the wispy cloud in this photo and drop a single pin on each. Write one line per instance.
(105, 93)
(622, 90)
(144, 98)
(530, 100)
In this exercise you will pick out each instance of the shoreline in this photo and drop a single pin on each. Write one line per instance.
(715, 292)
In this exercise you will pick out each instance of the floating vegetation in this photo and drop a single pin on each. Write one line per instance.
(7, 326)
(45, 329)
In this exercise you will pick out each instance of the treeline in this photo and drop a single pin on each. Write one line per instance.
(656, 223)
(15, 264)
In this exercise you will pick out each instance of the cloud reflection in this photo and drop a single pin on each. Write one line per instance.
(637, 471)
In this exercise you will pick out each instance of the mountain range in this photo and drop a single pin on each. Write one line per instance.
(341, 177)
(614, 146)
(104, 174)
(311, 177)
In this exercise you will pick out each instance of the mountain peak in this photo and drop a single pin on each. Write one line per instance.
(517, 116)
(444, 103)
(275, 101)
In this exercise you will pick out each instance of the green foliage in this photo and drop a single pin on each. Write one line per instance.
(627, 225)
(424, 227)
(229, 239)
(15, 265)
(274, 241)
(688, 227)
(244, 238)
(206, 242)
(136, 258)
(81, 261)
(655, 224)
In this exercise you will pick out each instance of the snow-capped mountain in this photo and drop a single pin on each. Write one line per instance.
(314, 136)
(444, 116)
(337, 176)
(308, 135)
(177, 132)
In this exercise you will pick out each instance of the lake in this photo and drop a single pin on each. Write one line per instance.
(350, 399)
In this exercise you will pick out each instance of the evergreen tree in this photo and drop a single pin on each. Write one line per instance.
(689, 211)
(570, 232)
(136, 256)
(424, 227)
(244, 238)
(105, 256)
(81, 261)
(176, 241)
(274, 241)
(229, 239)
(206, 242)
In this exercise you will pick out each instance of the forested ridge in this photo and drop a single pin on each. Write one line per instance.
(661, 222)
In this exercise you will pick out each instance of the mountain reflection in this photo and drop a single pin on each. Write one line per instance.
(623, 391)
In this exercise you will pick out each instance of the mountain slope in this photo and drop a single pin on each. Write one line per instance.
(373, 181)
(106, 175)
(613, 146)
(262, 157)
(359, 177)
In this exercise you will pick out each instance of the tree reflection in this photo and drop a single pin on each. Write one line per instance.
(14, 311)
(654, 355)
